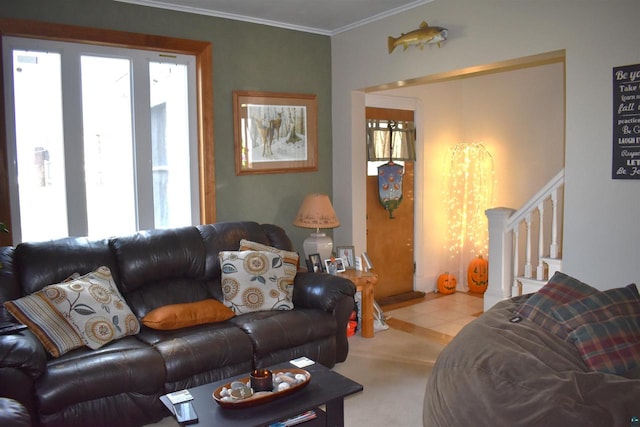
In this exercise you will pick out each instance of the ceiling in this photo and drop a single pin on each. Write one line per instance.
(326, 17)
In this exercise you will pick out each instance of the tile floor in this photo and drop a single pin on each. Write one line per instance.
(443, 314)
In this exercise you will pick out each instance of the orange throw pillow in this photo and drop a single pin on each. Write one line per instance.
(176, 316)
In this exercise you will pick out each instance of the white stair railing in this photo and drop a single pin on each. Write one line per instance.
(511, 260)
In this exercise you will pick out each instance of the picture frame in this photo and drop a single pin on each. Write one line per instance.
(309, 265)
(348, 254)
(366, 261)
(275, 132)
(316, 263)
(339, 263)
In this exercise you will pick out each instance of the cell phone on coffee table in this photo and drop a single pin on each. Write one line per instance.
(185, 413)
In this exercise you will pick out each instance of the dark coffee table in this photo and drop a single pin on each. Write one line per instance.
(325, 388)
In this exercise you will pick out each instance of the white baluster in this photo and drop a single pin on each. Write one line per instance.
(516, 258)
(553, 249)
(540, 267)
(528, 267)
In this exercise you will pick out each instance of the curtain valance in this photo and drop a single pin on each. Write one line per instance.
(390, 140)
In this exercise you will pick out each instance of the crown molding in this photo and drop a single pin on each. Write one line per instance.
(236, 17)
(380, 16)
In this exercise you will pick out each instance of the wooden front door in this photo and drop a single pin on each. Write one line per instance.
(390, 243)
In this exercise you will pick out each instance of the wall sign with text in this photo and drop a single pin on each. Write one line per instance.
(626, 122)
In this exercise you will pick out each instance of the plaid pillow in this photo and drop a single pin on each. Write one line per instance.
(598, 307)
(560, 289)
(605, 328)
(611, 346)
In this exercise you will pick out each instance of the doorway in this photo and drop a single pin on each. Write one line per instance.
(390, 238)
(440, 125)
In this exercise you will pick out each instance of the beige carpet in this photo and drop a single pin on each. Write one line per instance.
(393, 368)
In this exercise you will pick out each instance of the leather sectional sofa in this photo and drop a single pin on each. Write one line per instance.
(120, 383)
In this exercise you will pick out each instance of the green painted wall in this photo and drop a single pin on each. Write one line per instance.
(245, 57)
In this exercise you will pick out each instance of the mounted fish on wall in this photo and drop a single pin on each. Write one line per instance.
(423, 35)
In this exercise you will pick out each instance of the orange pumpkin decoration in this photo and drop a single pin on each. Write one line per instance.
(478, 275)
(447, 283)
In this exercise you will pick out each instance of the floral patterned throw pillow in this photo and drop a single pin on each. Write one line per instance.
(93, 306)
(83, 310)
(255, 281)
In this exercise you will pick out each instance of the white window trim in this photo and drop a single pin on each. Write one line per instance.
(77, 219)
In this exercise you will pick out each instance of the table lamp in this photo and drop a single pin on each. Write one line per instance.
(316, 212)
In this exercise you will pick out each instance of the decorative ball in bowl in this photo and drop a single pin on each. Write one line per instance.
(241, 393)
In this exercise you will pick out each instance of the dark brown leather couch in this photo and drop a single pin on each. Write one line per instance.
(120, 383)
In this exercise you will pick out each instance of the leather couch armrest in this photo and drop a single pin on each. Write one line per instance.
(330, 293)
(320, 290)
(23, 351)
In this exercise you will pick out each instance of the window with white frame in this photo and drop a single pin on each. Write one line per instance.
(101, 140)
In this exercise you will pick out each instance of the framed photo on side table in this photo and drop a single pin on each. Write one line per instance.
(339, 265)
(347, 253)
(366, 262)
(316, 263)
(275, 132)
(309, 265)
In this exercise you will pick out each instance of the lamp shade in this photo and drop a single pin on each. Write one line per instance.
(316, 212)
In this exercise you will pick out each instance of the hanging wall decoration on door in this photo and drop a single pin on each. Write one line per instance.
(390, 140)
(390, 186)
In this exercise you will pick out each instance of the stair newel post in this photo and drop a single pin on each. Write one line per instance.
(500, 252)
(540, 267)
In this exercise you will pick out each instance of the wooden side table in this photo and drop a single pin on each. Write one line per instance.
(365, 282)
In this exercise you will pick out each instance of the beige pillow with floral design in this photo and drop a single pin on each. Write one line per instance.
(255, 281)
(289, 258)
(92, 305)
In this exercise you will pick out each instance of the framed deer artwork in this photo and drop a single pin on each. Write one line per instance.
(275, 132)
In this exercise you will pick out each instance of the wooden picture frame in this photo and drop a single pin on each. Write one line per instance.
(348, 254)
(275, 132)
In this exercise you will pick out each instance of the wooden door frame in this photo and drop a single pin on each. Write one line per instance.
(381, 100)
(204, 96)
(390, 113)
